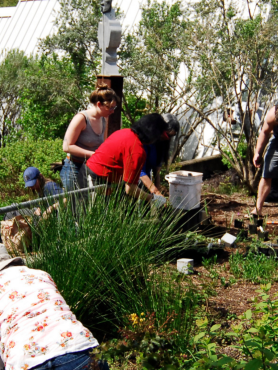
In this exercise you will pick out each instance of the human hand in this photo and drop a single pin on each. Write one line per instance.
(37, 212)
(158, 200)
(47, 212)
(158, 193)
(257, 160)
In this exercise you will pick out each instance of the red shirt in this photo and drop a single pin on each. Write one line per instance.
(121, 156)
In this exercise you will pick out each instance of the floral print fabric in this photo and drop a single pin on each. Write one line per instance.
(36, 324)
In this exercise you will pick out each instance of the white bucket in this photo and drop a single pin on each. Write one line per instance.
(185, 189)
(185, 265)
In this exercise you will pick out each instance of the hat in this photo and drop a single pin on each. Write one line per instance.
(6, 259)
(30, 176)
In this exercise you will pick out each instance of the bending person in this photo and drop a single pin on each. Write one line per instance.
(86, 133)
(157, 154)
(122, 155)
(270, 167)
(35, 181)
(37, 328)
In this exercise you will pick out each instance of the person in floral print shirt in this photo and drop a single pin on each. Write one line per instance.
(37, 329)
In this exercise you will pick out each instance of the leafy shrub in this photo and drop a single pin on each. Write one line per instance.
(16, 157)
(240, 153)
(144, 341)
(255, 337)
(135, 109)
(51, 96)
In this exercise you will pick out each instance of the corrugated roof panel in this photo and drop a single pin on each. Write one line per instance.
(32, 19)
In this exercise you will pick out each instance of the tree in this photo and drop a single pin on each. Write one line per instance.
(76, 36)
(150, 58)
(232, 62)
(12, 80)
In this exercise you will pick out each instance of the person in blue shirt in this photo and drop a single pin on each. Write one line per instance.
(35, 181)
(157, 154)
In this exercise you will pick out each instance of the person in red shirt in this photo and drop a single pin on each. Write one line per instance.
(122, 156)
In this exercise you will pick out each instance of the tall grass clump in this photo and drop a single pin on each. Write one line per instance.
(108, 260)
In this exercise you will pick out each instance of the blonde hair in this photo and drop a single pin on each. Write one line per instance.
(104, 94)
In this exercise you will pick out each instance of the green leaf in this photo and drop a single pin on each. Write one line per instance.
(254, 365)
(199, 336)
(231, 334)
(268, 354)
(253, 330)
(215, 327)
(224, 360)
(248, 314)
(268, 286)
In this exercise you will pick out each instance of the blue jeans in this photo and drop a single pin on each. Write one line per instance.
(69, 173)
(72, 361)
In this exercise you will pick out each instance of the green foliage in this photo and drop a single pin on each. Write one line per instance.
(150, 56)
(12, 79)
(232, 62)
(106, 262)
(241, 152)
(135, 108)
(4, 3)
(153, 346)
(257, 268)
(16, 157)
(77, 25)
(52, 95)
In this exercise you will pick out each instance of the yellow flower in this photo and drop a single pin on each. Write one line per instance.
(142, 314)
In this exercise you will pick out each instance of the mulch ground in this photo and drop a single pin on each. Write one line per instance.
(231, 300)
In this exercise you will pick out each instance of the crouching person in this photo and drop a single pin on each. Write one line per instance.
(37, 329)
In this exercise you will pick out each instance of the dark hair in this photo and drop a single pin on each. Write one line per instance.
(163, 147)
(172, 122)
(103, 94)
(149, 128)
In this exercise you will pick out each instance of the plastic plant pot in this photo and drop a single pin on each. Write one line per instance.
(263, 235)
(238, 224)
(243, 234)
(259, 221)
(253, 229)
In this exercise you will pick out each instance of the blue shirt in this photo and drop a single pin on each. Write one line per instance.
(151, 160)
(51, 188)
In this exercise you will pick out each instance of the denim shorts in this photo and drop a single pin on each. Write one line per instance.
(270, 167)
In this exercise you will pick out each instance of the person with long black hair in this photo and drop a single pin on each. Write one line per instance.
(122, 156)
(157, 154)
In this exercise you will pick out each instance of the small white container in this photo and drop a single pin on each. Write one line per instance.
(185, 265)
(228, 239)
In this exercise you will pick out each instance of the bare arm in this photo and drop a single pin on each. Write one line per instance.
(133, 190)
(77, 125)
(150, 185)
(269, 123)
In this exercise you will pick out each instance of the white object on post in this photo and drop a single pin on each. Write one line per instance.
(109, 39)
(185, 265)
(185, 189)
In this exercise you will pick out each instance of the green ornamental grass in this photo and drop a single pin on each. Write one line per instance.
(108, 260)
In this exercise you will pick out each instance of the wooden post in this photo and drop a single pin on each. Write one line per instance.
(114, 120)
